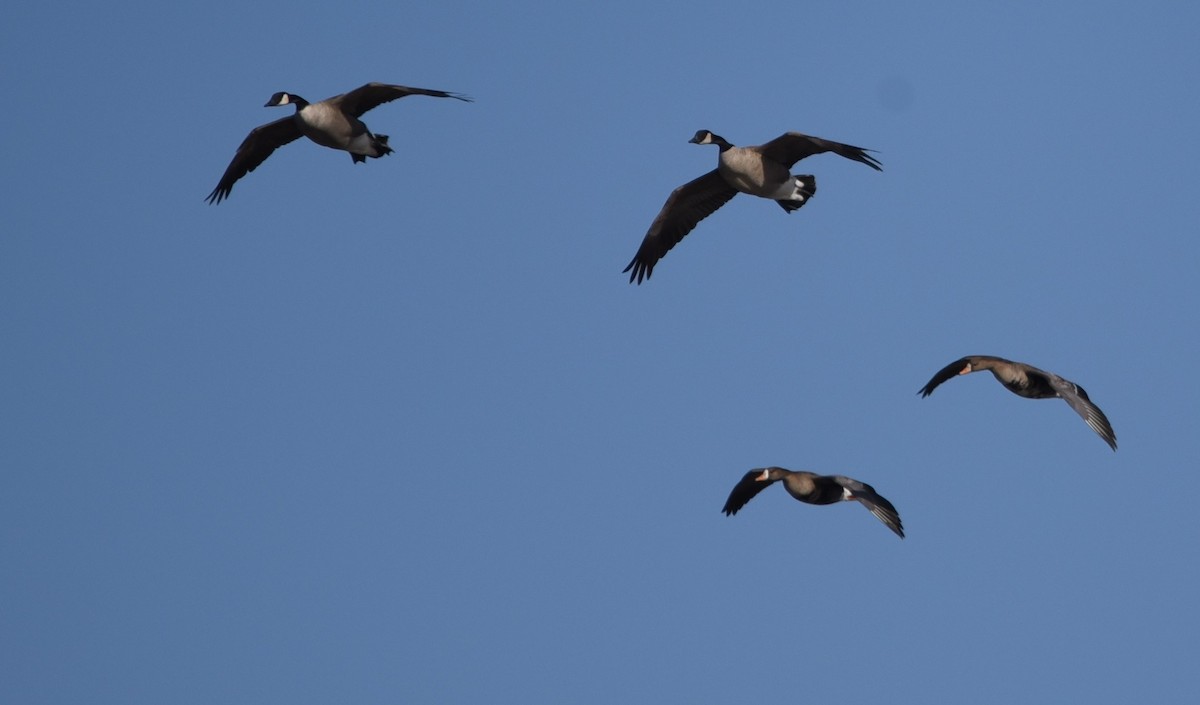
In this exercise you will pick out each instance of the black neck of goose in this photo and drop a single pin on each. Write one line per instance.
(297, 101)
(721, 142)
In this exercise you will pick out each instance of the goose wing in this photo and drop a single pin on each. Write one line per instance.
(948, 372)
(872, 500)
(254, 150)
(363, 98)
(685, 207)
(1074, 395)
(791, 147)
(744, 491)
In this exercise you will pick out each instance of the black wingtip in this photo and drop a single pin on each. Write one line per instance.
(640, 270)
(861, 155)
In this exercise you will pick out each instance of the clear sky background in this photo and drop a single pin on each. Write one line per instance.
(402, 432)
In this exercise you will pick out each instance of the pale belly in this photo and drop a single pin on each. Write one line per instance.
(773, 181)
(331, 129)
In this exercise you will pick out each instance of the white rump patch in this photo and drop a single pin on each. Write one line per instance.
(799, 186)
(791, 190)
(362, 145)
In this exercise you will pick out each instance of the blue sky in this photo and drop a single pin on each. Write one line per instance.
(402, 432)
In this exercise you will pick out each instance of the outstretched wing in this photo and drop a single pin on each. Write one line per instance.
(1074, 395)
(685, 207)
(791, 147)
(744, 491)
(363, 98)
(254, 150)
(947, 372)
(872, 500)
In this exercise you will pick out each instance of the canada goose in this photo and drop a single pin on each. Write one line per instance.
(1029, 382)
(333, 122)
(814, 489)
(764, 171)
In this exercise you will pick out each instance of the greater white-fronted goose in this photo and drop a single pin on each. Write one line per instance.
(763, 171)
(814, 489)
(1029, 382)
(333, 122)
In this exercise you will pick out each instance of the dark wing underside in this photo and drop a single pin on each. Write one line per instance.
(947, 372)
(685, 207)
(872, 500)
(791, 147)
(744, 491)
(254, 150)
(362, 99)
(1074, 395)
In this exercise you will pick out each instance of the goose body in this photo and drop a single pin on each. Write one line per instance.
(333, 122)
(747, 171)
(763, 171)
(812, 488)
(326, 124)
(1032, 383)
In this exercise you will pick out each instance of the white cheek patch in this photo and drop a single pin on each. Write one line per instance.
(285, 99)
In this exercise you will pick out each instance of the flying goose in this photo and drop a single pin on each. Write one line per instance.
(333, 122)
(764, 171)
(1029, 382)
(814, 489)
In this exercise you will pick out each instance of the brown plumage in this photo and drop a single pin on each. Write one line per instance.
(763, 170)
(332, 122)
(1029, 382)
(814, 489)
